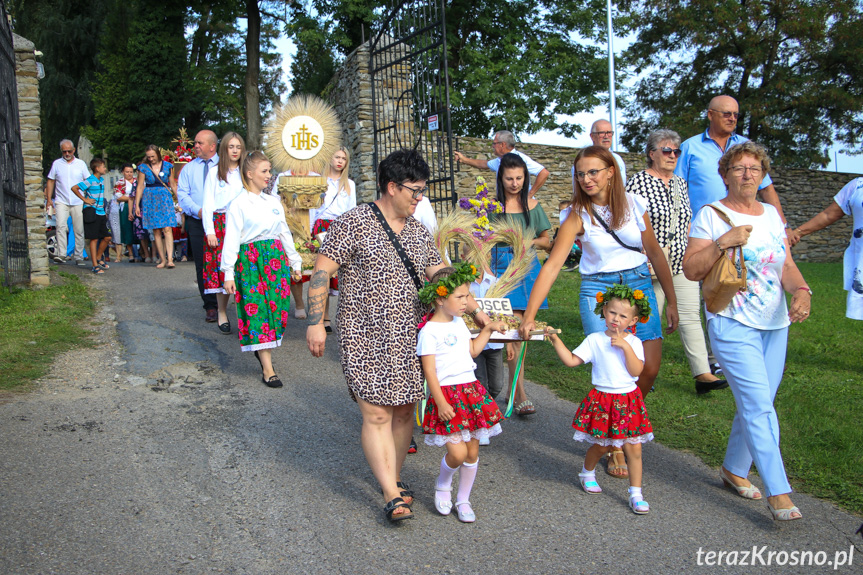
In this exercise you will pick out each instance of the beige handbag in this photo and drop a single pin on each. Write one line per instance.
(726, 278)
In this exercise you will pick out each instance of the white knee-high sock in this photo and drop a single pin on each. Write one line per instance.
(466, 477)
(444, 480)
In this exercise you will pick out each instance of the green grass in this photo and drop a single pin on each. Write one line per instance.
(38, 325)
(819, 402)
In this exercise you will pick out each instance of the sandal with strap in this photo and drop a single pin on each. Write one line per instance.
(785, 514)
(394, 504)
(615, 469)
(526, 407)
(588, 483)
(443, 504)
(97, 270)
(638, 505)
(748, 492)
(406, 492)
(465, 515)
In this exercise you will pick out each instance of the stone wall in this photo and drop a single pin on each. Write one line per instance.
(803, 193)
(31, 148)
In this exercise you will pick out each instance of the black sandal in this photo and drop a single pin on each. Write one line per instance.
(406, 491)
(391, 506)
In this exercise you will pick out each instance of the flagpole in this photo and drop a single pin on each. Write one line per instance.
(612, 110)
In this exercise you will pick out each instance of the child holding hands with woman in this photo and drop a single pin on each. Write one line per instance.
(460, 411)
(613, 413)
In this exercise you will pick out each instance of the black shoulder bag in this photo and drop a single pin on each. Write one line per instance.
(610, 231)
(409, 265)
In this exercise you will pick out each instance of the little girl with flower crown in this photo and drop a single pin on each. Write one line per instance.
(613, 413)
(460, 411)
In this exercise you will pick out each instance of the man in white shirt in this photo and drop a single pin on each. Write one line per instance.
(66, 171)
(601, 135)
(502, 143)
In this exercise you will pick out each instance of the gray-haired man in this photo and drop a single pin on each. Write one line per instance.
(66, 171)
(502, 143)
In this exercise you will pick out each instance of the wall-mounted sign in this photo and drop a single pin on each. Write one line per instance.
(433, 123)
(303, 137)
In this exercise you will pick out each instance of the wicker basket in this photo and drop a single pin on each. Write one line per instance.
(302, 192)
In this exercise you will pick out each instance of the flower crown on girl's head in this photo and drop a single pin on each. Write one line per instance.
(636, 298)
(465, 273)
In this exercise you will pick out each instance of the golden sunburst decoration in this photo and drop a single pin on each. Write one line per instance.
(303, 135)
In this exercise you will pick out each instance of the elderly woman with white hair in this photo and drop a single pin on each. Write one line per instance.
(670, 215)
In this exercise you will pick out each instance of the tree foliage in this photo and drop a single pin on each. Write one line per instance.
(793, 65)
(68, 34)
(513, 64)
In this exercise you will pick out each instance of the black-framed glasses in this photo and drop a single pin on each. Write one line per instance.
(669, 151)
(606, 134)
(592, 174)
(726, 115)
(415, 193)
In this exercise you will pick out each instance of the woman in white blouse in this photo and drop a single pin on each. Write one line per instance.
(257, 256)
(222, 186)
(341, 196)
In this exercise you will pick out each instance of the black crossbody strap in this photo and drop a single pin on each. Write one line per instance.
(409, 265)
(610, 231)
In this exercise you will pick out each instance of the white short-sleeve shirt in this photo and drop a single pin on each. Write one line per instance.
(450, 344)
(763, 305)
(533, 167)
(65, 175)
(601, 252)
(609, 373)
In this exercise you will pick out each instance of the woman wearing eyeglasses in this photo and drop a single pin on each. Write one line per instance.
(615, 234)
(670, 215)
(750, 336)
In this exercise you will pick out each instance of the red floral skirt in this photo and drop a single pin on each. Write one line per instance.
(261, 274)
(324, 226)
(612, 419)
(476, 415)
(214, 278)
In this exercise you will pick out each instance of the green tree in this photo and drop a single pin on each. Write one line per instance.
(793, 65)
(513, 64)
(68, 33)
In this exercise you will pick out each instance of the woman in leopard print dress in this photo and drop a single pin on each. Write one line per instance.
(378, 315)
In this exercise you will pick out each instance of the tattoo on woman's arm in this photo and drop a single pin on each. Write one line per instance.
(317, 301)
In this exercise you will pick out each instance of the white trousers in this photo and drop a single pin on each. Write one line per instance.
(690, 330)
(63, 212)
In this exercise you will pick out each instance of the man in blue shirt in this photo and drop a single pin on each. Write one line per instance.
(190, 193)
(700, 154)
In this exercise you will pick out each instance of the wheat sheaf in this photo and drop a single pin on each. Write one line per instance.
(303, 105)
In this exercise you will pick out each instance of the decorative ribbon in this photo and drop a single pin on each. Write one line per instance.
(515, 380)
(421, 405)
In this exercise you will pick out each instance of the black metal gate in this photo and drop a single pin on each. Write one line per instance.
(410, 92)
(13, 209)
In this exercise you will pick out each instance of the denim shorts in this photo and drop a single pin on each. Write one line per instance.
(636, 278)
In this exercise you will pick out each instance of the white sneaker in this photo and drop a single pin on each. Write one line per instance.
(484, 441)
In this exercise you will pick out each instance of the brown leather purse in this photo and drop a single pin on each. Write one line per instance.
(726, 278)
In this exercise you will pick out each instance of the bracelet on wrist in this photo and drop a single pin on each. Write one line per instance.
(804, 288)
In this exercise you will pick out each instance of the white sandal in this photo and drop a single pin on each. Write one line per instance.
(639, 507)
(465, 516)
(588, 483)
(748, 492)
(443, 505)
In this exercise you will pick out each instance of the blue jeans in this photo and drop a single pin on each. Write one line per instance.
(752, 361)
(636, 278)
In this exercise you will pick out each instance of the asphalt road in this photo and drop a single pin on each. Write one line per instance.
(159, 450)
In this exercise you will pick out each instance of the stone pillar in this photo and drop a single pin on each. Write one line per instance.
(31, 149)
(350, 93)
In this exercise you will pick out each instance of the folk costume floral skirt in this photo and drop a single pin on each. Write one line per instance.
(319, 227)
(214, 277)
(476, 416)
(612, 419)
(263, 294)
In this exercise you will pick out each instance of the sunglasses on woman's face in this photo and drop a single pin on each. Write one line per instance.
(669, 151)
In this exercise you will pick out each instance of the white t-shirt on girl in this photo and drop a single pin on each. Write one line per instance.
(450, 344)
(601, 252)
(609, 373)
(763, 305)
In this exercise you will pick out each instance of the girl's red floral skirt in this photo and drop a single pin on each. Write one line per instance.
(476, 415)
(214, 277)
(612, 419)
(321, 226)
(263, 294)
